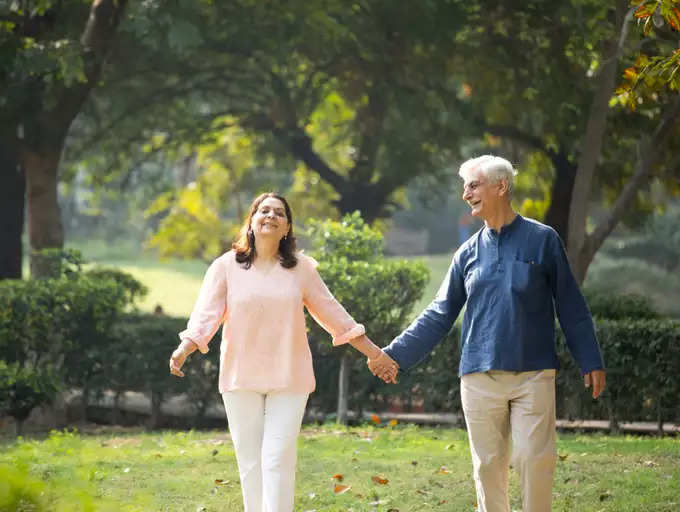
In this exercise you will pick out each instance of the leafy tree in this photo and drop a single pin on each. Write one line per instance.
(540, 93)
(53, 53)
(376, 291)
(656, 67)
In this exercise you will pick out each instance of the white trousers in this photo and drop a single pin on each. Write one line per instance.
(264, 429)
(500, 406)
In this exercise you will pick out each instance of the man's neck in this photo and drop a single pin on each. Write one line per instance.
(500, 219)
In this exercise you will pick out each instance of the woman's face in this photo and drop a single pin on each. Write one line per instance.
(269, 220)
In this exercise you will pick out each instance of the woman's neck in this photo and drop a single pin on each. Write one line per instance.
(267, 250)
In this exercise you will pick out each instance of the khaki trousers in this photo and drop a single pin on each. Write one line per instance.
(502, 406)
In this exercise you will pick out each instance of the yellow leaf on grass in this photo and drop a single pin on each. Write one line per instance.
(393, 423)
(444, 470)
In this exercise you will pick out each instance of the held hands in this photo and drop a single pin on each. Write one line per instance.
(596, 378)
(384, 367)
(179, 356)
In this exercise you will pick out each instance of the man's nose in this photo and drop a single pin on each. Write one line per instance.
(466, 194)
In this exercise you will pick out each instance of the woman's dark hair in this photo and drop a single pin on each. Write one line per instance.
(245, 244)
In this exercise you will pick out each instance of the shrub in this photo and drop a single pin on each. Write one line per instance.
(376, 291)
(23, 389)
(138, 361)
(54, 332)
(619, 306)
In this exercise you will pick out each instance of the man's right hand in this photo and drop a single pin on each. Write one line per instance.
(596, 378)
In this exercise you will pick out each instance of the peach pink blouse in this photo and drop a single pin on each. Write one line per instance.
(264, 339)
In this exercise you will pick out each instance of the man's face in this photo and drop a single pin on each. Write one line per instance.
(482, 195)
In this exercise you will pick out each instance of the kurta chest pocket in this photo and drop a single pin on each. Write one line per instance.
(529, 284)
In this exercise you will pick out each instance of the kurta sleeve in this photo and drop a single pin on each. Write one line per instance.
(210, 308)
(324, 308)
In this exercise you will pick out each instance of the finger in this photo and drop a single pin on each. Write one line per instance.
(598, 385)
(586, 380)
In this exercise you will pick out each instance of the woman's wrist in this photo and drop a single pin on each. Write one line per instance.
(187, 347)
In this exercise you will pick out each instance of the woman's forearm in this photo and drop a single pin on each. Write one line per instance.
(364, 345)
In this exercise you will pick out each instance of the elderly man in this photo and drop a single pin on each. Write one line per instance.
(513, 274)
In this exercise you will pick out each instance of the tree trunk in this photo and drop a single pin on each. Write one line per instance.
(44, 214)
(116, 416)
(592, 146)
(343, 388)
(557, 215)
(43, 140)
(12, 200)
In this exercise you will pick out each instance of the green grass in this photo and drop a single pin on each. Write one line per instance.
(426, 469)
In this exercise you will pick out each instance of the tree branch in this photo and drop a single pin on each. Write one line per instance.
(649, 152)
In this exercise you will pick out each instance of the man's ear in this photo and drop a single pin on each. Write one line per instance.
(504, 187)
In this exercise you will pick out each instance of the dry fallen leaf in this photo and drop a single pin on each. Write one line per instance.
(379, 480)
(414, 463)
(341, 489)
(448, 446)
(444, 470)
(420, 491)
(219, 481)
(338, 477)
(563, 457)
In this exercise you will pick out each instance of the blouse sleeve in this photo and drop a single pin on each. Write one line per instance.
(325, 309)
(210, 308)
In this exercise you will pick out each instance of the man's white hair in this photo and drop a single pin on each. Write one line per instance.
(492, 167)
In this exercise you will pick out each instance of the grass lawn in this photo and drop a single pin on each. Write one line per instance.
(416, 468)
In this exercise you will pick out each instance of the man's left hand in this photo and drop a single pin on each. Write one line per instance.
(596, 378)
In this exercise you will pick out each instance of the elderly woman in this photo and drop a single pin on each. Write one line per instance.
(258, 290)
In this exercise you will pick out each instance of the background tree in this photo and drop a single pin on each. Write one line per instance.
(53, 53)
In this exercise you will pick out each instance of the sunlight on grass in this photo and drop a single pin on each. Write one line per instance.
(406, 468)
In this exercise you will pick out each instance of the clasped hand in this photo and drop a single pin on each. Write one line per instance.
(384, 367)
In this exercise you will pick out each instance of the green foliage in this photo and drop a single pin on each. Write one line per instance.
(376, 291)
(643, 361)
(20, 492)
(619, 307)
(56, 332)
(134, 290)
(655, 70)
(351, 238)
(137, 360)
(23, 389)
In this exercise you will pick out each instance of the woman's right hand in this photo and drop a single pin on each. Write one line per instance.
(179, 356)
